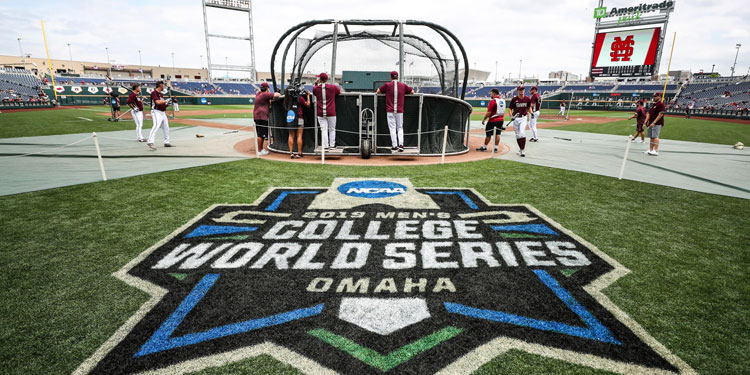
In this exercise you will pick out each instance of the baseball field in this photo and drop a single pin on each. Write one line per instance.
(687, 251)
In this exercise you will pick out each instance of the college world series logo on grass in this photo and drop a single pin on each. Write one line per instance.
(373, 277)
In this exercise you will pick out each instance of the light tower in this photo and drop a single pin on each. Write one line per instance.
(235, 6)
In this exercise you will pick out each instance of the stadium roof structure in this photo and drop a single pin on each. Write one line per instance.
(406, 44)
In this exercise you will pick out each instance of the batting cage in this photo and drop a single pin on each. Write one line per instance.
(433, 123)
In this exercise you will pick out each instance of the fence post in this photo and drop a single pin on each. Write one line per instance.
(99, 156)
(624, 159)
(445, 142)
(323, 146)
(494, 131)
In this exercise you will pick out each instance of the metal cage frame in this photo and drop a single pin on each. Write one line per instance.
(398, 28)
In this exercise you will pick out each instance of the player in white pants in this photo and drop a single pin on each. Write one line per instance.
(536, 111)
(394, 92)
(519, 106)
(325, 95)
(328, 128)
(159, 116)
(562, 109)
(136, 110)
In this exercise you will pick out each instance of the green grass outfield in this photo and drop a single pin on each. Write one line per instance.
(60, 121)
(688, 254)
(675, 128)
(68, 121)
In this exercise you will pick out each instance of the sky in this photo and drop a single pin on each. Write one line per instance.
(546, 35)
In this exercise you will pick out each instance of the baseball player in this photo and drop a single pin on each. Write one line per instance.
(159, 115)
(495, 114)
(136, 110)
(536, 111)
(519, 106)
(562, 109)
(394, 107)
(260, 115)
(325, 94)
(640, 117)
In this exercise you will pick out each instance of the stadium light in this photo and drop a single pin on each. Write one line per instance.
(738, 45)
(109, 63)
(23, 59)
(173, 71)
(140, 61)
(70, 53)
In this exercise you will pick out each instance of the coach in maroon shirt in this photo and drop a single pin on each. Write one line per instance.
(394, 107)
(655, 121)
(260, 115)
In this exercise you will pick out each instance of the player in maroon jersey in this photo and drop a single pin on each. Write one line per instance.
(519, 106)
(136, 110)
(325, 94)
(640, 117)
(536, 111)
(394, 106)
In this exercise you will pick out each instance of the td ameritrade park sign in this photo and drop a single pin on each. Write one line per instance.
(633, 13)
(374, 277)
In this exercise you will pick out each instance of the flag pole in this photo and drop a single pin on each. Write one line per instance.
(49, 63)
(664, 92)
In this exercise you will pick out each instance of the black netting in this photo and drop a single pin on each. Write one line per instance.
(437, 112)
(415, 46)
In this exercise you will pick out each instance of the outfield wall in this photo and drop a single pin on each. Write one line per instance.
(95, 95)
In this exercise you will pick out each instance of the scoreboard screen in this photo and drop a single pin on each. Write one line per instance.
(630, 53)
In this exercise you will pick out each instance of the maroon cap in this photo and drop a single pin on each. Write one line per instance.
(519, 88)
(394, 74)
(640, 102)
(264, 84)
(657, 94)
(323, 76)
(534, 88)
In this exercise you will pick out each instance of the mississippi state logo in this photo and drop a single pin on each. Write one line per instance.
(374, 277)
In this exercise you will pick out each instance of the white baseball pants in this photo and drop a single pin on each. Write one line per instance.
(160, 121)
(138, 118)
(519, 126)
(396, 127)
(532, 123)
(328, 129)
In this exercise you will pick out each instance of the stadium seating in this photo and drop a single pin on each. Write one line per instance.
(235, 88)
(589, 87)
(645, 87)
(18, 84)
(198, 88)
(716, 95)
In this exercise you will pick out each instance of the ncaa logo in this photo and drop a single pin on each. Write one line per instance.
(203, 101)
(372, 189)
(290, 116)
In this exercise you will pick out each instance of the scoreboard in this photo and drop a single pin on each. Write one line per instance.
(628, 53)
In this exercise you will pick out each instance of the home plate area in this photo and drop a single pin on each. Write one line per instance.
(373, 277)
